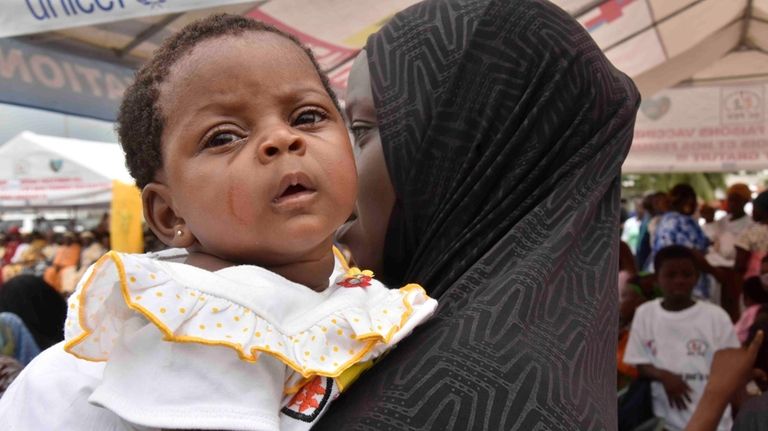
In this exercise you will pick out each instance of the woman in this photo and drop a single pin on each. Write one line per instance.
(678, 227)
(752, 245)
(494, 184)
(67, 256)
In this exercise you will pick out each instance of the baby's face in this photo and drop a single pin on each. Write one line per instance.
(256, 157)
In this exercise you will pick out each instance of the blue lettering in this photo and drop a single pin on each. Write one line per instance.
(72, 6)
(53, 11)
(34, 14)
(102, 7)
(66, 9)
(80, 6)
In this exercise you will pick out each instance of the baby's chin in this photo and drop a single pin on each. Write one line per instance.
(291, 252)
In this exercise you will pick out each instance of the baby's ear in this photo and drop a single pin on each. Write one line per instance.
(162, 218)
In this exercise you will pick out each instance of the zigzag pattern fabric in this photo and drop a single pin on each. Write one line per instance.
(504, 128)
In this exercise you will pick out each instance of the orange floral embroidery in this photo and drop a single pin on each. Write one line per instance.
(356, 278)
(305, 398)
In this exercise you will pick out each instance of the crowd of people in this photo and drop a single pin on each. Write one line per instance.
(38, 271)
(59, 258)
(687, 289)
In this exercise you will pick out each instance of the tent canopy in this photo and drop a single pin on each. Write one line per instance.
(660, 43)
(46, 171)
(671, 48)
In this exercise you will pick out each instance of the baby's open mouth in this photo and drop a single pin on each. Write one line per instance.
(293, 189)
(294, 186)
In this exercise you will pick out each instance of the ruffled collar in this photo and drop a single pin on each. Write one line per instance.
(246, 308)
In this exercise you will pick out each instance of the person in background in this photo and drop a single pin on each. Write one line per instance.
(661, 203)
(679, 227)
(656, 205)
(673, 339)
(26, 239)
(752, 245)
(27, 257)
(630, 297)
(707, 212)
(13, 240)
(755, 296)
(11, 243)
(91, 252)
(729, 228)
(9, 370)
(67, 255)
(52, 242)
(631, 231)
(38, 305)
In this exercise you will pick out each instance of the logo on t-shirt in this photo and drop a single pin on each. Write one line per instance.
(651, 346)
(697, 347)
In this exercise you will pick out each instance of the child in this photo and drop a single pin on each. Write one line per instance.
(673, 339)
(236, 140)
(755, 296)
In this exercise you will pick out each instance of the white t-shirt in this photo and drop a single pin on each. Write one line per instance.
(726, 233)
(683, 343)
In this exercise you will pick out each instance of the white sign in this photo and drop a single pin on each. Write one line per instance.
(18, 17)
(702, 129)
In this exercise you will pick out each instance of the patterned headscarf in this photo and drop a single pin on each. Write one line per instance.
(504, 129)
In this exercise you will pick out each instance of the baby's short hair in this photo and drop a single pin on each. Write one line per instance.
(140, 121)
(671, 252)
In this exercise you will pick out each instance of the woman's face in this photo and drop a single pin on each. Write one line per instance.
(365, 233)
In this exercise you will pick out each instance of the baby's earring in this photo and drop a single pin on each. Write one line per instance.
(179, 233)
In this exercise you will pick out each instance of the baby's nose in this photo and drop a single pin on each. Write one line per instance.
(279, 143)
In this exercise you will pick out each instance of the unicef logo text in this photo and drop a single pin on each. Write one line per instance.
(43, 10)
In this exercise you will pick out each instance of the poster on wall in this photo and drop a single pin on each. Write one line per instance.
(701, 129)
(19, 17)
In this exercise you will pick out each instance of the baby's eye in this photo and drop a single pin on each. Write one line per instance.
(311, 116)
(220, 139)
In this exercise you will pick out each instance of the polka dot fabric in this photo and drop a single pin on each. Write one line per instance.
(358, 324)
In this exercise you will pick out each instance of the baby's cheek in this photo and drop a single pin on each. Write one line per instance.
(239, 203)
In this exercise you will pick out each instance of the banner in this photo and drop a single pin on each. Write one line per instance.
(701, 129)
(125, 217)
(18, 17)
(47, 79)
(48, 171)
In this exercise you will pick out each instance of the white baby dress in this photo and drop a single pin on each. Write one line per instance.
(241, 348)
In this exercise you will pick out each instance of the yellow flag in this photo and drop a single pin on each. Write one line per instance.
(125, 233)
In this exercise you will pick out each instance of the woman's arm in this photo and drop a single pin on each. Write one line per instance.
(730, 372)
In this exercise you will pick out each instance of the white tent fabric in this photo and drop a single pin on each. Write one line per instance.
(47, 171)
(664, 45)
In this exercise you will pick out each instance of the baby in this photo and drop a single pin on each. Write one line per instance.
(236, 140)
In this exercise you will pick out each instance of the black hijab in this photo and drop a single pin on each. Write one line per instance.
(504, 129)
(39, 306)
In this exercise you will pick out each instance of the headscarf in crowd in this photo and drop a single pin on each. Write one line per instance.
(504, 129)
(39, 306)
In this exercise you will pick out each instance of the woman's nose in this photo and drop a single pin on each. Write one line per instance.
(279, 143)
